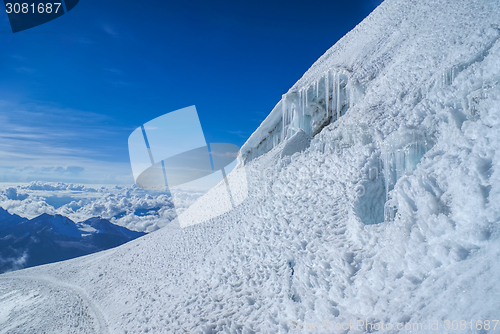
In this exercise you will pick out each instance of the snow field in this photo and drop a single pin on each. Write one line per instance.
(305, 246)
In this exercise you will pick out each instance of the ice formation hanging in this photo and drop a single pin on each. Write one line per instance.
(401, 153)
(309, 109)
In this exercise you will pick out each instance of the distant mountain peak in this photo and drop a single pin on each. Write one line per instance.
(50, 238)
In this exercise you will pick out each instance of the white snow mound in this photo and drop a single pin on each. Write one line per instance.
(297, 143)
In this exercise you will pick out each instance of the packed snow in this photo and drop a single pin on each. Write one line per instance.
(389, 216)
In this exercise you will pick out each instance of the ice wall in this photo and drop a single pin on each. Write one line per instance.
(322, 101)
(401, 152)
(309, 108)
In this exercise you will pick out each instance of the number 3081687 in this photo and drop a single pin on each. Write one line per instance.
(27, 8)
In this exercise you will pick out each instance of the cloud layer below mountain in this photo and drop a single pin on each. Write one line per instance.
(129, 207)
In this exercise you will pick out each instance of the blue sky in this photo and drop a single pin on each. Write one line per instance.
(72, 90)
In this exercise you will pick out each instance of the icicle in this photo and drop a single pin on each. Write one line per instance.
(338, 95)
(334, 90)
(400, 156)
(333, 94)
(350, 94)
(303, 125)
(326, 92)
(448, 76)
(302, 110)
(283, 120)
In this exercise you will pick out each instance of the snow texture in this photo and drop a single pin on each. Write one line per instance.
(297, 143)
(419, 103)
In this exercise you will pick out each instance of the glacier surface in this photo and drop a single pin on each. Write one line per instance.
(391, 215)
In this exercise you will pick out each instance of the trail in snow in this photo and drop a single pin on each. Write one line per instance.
(68, 308)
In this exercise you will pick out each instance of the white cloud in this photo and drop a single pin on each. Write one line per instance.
(108, 29)
(129, 206)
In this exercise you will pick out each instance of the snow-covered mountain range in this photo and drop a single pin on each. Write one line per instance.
(51, 238)
(386, 219)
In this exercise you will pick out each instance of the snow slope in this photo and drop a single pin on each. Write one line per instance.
(316, 241)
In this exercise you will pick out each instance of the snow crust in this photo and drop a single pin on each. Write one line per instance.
(297, 143)
(311, 242)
